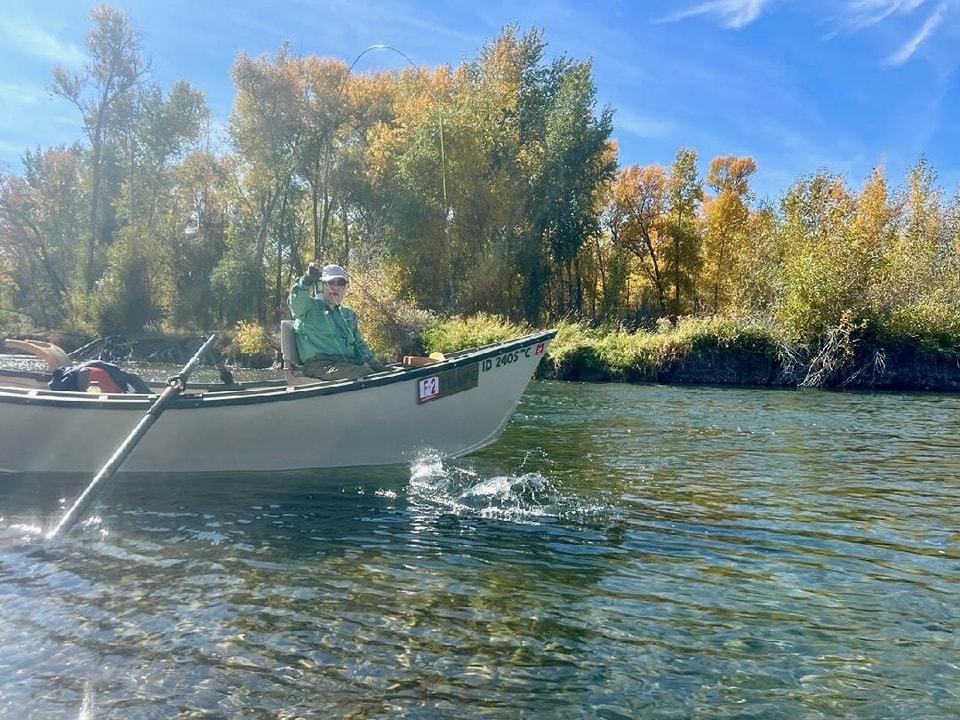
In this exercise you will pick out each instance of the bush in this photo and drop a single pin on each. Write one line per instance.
(458, 333)
(252, 344)
(391, 326)
(611, 354)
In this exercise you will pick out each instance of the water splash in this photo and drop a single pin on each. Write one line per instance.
(87, 705)
(459, 489)
(22, 530)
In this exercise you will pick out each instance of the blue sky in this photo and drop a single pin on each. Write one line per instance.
(799, 85)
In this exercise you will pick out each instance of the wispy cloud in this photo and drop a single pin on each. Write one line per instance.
(732, 14)
(32, 40)
(851, 16)
(643, 126)
(907, 50)
(16, 96)
(895, 17)
(864, 13)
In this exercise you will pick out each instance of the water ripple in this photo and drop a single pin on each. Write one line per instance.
(624, 552)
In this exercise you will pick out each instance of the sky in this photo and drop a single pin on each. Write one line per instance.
(801, 86)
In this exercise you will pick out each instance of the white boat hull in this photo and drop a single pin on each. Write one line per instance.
(449, 409)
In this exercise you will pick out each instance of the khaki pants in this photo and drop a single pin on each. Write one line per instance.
(323, 368)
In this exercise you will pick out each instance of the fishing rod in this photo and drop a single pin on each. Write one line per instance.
(328, 144)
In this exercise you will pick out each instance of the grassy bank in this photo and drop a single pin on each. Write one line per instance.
(696, 351)
(724, 352)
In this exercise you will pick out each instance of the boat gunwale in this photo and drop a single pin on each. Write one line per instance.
(258, 392)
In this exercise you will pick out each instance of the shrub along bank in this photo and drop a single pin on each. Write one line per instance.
(725, 352)
(693, 351)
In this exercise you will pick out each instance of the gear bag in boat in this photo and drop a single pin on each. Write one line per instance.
(110, 377)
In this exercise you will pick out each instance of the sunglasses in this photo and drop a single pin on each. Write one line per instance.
(338, 282)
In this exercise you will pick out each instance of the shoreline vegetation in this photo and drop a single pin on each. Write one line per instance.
(697, 351)
(491, 187)
(692, 351)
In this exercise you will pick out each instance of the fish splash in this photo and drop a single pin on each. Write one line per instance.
(462, 490)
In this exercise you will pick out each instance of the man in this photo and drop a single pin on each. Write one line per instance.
(328, 337)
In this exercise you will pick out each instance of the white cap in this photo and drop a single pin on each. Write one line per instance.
(333, 271)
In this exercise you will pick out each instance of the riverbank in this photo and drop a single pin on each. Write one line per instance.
(724, 353)
(699, 353)
(892, 367)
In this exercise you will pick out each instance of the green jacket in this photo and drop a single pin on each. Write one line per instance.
(324, 330)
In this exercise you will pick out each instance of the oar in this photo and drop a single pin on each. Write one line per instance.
(53, 355)
(226, 377)
(174, 387)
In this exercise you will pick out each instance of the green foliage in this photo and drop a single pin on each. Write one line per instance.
(123, 301)
(686, 194)
(250, 338)
(610, 354)
(105, 94)
(391, 325)
(484, 191)
(934, 321)
(870, 258)
(614, 296)
(461, 332)
(818, 291)
(236, 286)
(527, 158)
(583, 353)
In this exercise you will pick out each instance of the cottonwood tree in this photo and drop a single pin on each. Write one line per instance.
(686, 194)
(817, 210)
(205, 201)
(726, 217)
(636, 219)
(327, 110)
(544, 145)
(267, 126)
(104, 94)
(39, 214)
(145, 268)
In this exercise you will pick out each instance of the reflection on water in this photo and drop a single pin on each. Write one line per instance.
(624, 552)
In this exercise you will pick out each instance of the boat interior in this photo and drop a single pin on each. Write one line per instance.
(55, 357)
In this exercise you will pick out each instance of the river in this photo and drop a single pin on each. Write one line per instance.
(623, 552)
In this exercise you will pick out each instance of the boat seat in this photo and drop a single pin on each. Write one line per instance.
(292, 367)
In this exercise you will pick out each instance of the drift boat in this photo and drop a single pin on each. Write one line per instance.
(446, 406)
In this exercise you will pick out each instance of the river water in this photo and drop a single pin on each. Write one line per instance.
(623, 552)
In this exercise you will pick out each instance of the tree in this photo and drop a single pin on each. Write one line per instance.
(537, 141)
(402, 196)
(686, 192)
(267, 127)
(148, 267)
(636, 219)
(756, 289)
(815, 296)
(578, 166)
(203, 202)
(325, 98)
(726, 216)
(921, 266)
(874, 227)
(112, 75)
(39, 214)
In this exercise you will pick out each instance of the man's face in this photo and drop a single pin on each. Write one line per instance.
(334, 291)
